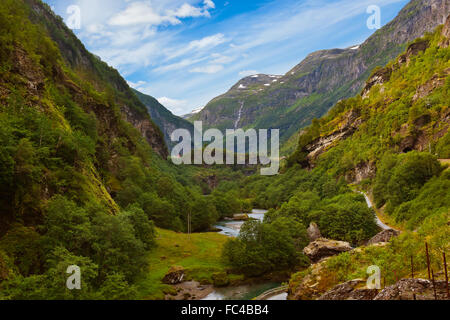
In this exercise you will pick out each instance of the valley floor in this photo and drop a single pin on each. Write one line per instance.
(199, 254)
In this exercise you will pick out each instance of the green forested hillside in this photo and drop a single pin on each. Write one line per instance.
(406, 111)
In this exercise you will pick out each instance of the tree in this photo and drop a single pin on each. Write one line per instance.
(265, 247)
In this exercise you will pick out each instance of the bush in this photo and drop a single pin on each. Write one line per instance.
(400, 177)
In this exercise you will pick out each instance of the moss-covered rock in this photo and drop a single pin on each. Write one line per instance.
(220, 279)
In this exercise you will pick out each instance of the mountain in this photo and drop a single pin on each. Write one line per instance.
(163, 118)
(311, 88)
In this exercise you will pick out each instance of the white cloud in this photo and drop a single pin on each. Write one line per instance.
(176, 106)
(209, 4)
(221, 59)
(178, 65)
(137, 85)
(208, 42)
(210, 69)
(143, 13)
(186, 11)
(133, 58)
(151, 40)
(246, 73)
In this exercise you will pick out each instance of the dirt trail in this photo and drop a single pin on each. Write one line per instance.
(380, 223)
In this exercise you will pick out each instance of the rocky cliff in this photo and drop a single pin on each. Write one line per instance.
(163, 118)
(310, 89)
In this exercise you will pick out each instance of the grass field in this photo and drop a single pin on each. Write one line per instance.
(199, 254)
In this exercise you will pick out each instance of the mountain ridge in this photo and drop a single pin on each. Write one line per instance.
(323, 78)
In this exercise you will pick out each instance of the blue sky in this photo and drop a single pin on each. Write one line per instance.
(186, 52)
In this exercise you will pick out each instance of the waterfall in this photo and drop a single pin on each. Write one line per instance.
(239, 116)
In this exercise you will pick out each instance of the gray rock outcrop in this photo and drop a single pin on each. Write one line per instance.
(383, 236)
(406, 288)
(313, 232)
(322, 248)
(350, 290)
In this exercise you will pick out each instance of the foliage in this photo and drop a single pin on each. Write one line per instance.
(266, 247)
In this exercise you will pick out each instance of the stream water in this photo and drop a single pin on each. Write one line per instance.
(244, 292)
(232, 228)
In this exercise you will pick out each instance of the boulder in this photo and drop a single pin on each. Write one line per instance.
(322, 248)
(406, 288)
(383, 236)
(240, 217)
(308, 286)
(350, 290)
(313, 232)
(175, 275)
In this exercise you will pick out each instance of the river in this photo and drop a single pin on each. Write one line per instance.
(232, 228)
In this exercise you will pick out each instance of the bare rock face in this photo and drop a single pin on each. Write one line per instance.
(406, 288)
(33, 76)
(446, 33)
(378, 78)
(322, 248)
(416, 48)
(148, 130)
(175, 275)
(425, 89)
(321, 144)
(350, 290)
(362, 171)
(383, 236)
(313, 232)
